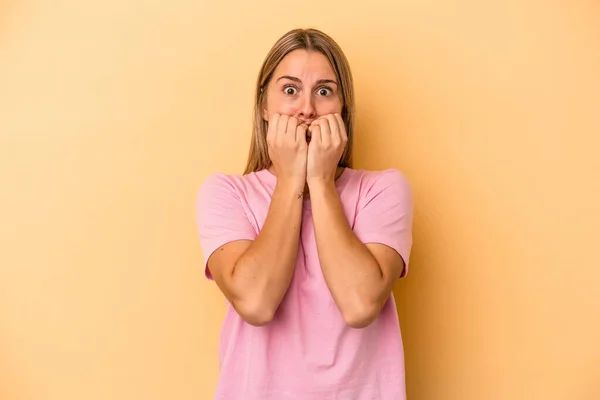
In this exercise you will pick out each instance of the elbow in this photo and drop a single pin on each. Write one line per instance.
(361, 316)
(257, 315)
(257, 319)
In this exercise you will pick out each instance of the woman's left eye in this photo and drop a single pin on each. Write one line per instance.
(324, 91)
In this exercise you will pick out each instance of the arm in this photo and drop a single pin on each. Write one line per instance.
(254, 272)
(361, 276)
(254, 275)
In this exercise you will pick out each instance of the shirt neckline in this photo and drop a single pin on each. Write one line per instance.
(272, 178)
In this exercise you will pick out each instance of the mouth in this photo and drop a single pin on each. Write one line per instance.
(308, 135)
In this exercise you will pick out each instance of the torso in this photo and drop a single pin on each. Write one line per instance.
(308, 352)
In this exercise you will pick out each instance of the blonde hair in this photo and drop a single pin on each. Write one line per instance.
(309, 40)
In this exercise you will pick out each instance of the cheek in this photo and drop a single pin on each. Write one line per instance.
(329, 106)
(280, 106)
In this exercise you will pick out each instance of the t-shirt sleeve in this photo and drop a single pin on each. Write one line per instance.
(220, 216)
(385, 213)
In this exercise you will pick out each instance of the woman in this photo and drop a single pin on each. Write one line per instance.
(306, 249)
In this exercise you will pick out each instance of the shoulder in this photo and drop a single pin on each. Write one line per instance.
(226, 190)
(387, 176)
(390, 179)
(215, 184)
(221, 182)
(218, 179)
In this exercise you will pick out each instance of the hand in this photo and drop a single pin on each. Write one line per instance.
(327, 144)
(288, 149)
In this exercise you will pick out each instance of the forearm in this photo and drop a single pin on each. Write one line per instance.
(264, 271)
(352, 274)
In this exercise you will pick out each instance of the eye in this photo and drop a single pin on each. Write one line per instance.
(324, 91)
(290, 90)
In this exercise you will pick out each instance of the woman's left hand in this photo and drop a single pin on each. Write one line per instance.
(327, 144)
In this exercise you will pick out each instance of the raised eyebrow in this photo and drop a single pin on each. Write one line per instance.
(323, 81)
(289, 77)
(294, 79)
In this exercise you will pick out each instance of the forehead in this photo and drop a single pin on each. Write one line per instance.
(305, 65)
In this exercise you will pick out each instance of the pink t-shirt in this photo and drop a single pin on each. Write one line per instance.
(308, 352)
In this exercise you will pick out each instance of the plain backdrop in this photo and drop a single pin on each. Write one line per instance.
(113, 112)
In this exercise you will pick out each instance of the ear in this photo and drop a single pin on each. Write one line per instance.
(265, 114)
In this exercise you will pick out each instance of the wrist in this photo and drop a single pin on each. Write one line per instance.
(290, 185)
(320, 184)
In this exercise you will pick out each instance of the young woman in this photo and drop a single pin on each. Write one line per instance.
(306, 249)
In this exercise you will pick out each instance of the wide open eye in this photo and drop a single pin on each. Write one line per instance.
(290, 90)
(324, 91)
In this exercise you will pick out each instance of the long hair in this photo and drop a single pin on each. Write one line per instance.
(309, 40)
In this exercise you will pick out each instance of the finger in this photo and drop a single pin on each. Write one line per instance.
(301, 133)
(315, 134)
(342, 126)
(282, 125)
(291, 128)
(336, 135)
(325, 131)
(272, 126)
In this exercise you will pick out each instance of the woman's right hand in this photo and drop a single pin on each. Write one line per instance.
(288, 149)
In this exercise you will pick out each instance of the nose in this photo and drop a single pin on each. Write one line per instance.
(306, 110)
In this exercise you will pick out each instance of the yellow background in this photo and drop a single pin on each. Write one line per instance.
(113, 112)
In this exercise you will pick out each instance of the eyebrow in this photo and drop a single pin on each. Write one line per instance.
(319, 82)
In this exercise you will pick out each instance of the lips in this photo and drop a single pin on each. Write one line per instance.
(308, 135)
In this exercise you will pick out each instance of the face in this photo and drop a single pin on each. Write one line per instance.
(304, 86)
